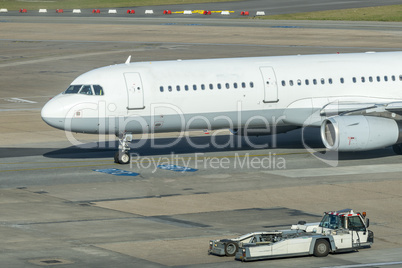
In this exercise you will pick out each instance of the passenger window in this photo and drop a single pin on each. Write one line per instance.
(400, 78)
(243, 85)
(251, 84)
(315, 81)
(378, 79)
(202, 86)
(178, 88)
(219, 86)
(291, 82)
(195, 87)
(98, 90)
(86, 90)
(227, 85)
(385, 78)
(73, 89)
(322, 81)
(298, 82)
(363, 79)
(283, 83)
(211, 86)
(354, 79)
(330, 80)
(307, 82)
(235, 85)
(393, 78)
(186, 87)
(370, 79)
(342, 80)
(170, 88)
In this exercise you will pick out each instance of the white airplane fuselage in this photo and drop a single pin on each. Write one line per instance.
(235, 93)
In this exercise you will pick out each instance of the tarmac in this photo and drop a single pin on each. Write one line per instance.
(56, 209)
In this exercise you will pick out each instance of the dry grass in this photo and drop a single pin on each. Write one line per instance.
(381, 13)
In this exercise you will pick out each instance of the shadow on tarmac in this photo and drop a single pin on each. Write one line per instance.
(198, 144)
(191, 145)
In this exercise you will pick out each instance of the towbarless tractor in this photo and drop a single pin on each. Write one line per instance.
(338, 231)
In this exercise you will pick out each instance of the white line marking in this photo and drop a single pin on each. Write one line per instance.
(20, 100)
(366, 265)
(20, 110)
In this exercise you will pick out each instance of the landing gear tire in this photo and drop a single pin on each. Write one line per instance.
(397, 148)
(122, 158)
(321, 248)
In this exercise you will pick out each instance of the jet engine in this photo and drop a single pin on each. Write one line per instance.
(360, 133)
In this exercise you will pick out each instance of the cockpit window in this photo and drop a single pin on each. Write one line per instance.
(73, 89)
(85, 90)
(98, 90)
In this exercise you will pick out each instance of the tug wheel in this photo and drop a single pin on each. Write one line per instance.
(321, 248)
(231, 248)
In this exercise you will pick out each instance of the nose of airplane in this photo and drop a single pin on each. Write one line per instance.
(53, 113)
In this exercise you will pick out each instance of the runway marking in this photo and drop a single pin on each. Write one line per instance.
(177, 168)
(117, 172)
(19, 100)
(365, 265)
(20, 110)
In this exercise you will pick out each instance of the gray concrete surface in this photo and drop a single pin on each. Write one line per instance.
(56, 210)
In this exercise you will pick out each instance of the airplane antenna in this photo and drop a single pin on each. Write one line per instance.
(128, 60)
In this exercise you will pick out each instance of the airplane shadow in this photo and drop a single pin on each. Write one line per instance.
(198, 144)
(188, 145)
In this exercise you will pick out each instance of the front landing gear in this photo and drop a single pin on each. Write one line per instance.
(122, 156)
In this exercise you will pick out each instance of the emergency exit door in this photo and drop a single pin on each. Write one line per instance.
(135, 91)
(270, 84)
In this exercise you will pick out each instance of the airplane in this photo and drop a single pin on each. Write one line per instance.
(354, 98)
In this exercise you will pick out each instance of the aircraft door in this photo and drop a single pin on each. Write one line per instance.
(270, 84)
(135, 92)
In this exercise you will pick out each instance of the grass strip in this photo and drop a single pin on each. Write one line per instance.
(382, 13)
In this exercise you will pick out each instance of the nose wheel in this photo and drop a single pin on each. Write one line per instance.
(122, 156)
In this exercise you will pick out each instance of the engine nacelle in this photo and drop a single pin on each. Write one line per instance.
(359, 133)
